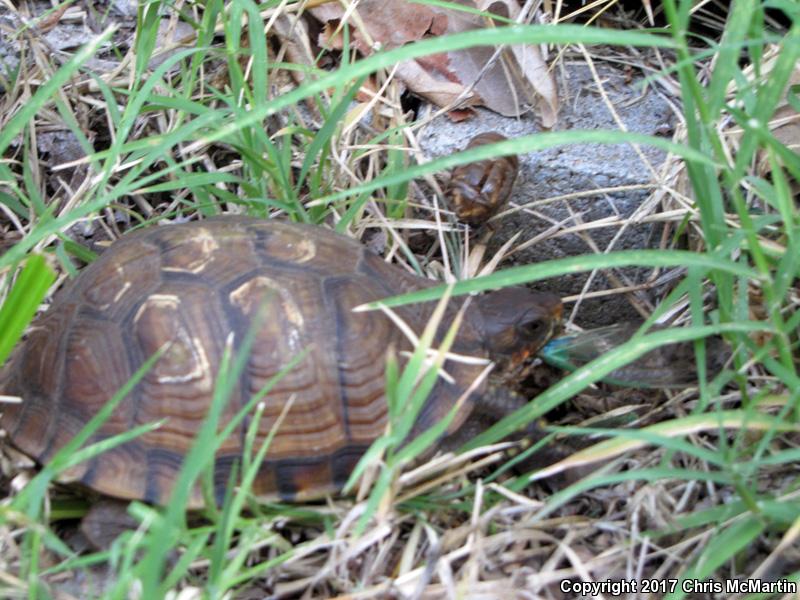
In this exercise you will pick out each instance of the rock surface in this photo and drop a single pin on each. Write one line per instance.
(569, 169)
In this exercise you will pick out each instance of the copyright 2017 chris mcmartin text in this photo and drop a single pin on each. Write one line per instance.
(621, 587)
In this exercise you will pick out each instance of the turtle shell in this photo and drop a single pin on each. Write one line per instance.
(479, 189)
(193, 286)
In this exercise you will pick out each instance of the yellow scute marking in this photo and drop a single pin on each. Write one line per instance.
(306, 250)
(262, 294)
(159, 325)
(191, 255)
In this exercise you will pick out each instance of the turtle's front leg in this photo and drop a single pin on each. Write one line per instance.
(106, 520)
(498, 402)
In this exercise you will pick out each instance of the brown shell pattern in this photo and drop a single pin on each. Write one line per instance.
(479, 189)
(193, 285)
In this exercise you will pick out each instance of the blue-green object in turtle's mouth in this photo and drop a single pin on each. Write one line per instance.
(668, 366)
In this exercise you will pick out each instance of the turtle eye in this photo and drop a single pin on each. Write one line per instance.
(533, 329)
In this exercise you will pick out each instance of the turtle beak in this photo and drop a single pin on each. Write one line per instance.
(552, 308)
(549, 310)
(556, 314)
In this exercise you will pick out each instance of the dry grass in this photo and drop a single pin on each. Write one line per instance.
(453, 527)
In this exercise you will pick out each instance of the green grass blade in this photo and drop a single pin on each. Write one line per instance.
(23, 301)
(722, 547)
(519, 145)
(574, 264)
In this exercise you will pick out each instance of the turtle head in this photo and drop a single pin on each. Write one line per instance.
(517, 323)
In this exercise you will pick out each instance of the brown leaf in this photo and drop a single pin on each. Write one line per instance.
(519, 78)
(425, 82)
(392, 23)
(331, 36)
(457, 115)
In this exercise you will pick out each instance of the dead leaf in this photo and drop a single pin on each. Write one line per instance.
(532, 82)
(421, 77)
(537, 74)
(331, 37)
(517, 80)
(457, 115)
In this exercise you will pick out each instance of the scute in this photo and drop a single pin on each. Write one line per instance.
(96, 366)
(186, 290)
(113, 289)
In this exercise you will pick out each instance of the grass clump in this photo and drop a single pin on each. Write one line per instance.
(699, 484)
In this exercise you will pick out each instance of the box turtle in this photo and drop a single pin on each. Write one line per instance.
(479, 189)
(189, 287)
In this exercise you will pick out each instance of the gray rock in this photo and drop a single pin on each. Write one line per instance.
(568, 169)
